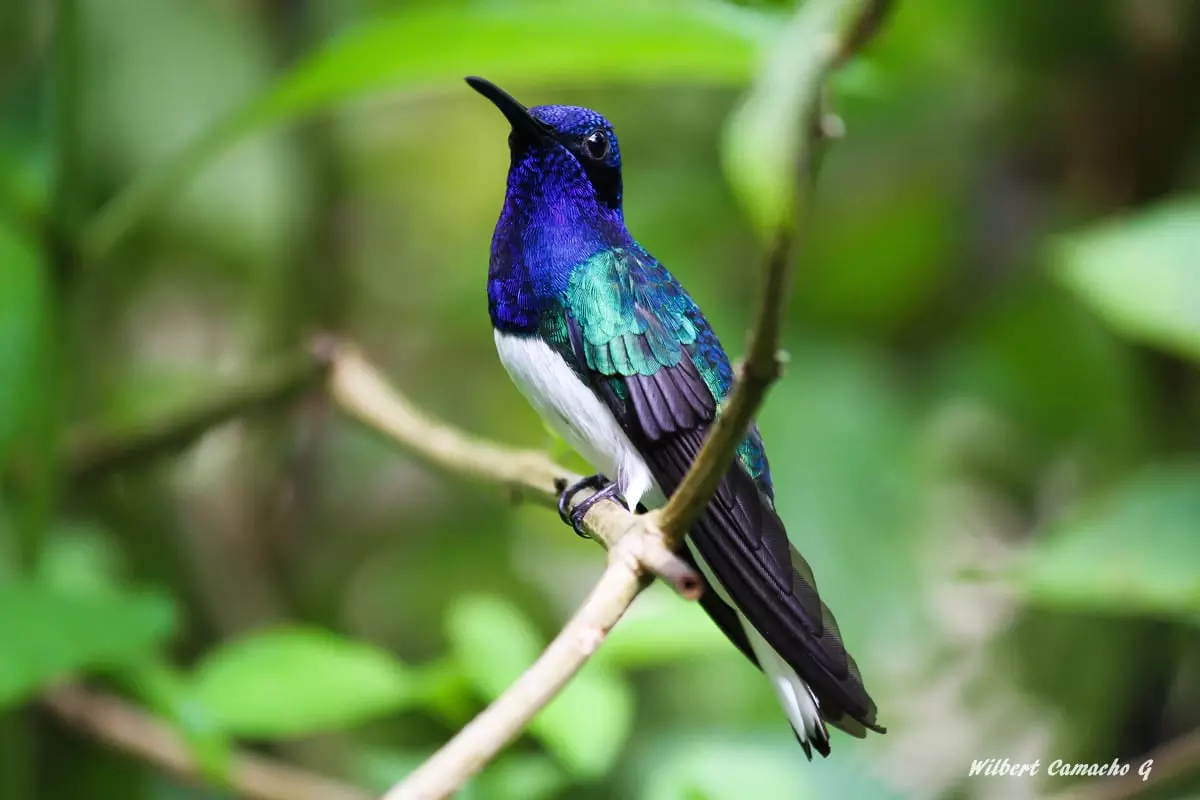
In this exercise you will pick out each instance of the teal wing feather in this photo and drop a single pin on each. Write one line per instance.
(632, 333)
(634, 319)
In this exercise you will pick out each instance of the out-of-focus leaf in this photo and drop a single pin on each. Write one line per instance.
(662, 629)
(764, 137)
(23, 180)
(1135, 551)
(1028, 359)
(296, 681)
(850, 485)
(521, 776)
(173, 696)
(22, 305)
(161, 94)
(761, 765)
(78, 558)
(380, 768)
(513, 776)
(602, 701)
(694, 41)
(47, 634)
(445, 692)
(494, 643)
(1141, 274)
(726, 770)
(879, 255)
(623, 41)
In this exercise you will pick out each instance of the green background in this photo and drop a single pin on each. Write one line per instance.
(986, 442)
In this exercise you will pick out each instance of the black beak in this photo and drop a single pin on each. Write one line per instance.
(523, 123)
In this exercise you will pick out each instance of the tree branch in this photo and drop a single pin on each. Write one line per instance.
(90, 453)
(486, 735)
(762, 367)
(764, 363)
(116, 723)
(359, 389)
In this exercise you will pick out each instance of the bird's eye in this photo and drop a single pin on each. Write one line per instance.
(595, 144)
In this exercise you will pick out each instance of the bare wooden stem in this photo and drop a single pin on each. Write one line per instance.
(486, 735)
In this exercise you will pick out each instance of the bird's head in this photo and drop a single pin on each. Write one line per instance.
(563, 151)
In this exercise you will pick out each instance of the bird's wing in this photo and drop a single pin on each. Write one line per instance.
(653, 359)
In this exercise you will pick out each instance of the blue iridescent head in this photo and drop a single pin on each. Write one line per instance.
(566, 145)
(561, 207)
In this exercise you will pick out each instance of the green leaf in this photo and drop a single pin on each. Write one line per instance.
(598, 704)
(662, 629)
(563, 42)
(521, 776)
(830, 425)
(513, 776)
(173, 696)
(725, 770)
(1134, 551)
(249, 205)
(297, 681)
(48, 634)
(765, 136)
(494, 643)
(752, 765)
(1141, 274)
(22, 305)
(80, 558)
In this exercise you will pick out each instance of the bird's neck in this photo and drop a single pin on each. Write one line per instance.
(547, 228)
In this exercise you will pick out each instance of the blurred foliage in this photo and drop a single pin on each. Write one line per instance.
(1139, 272)
(494, 643)
(985, 444)
(288, 682)
(1135, 552)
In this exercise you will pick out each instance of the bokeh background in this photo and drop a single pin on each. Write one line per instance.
(987, 442)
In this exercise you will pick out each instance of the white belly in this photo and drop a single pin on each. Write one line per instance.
(574, 412)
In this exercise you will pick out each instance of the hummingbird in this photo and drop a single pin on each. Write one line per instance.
(613, 354)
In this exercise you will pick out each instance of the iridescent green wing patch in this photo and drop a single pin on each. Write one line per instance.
(632, 314)
(651, 353)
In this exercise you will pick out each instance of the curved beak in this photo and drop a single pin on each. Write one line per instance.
(523, 123)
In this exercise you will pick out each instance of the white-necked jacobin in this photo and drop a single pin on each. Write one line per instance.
(611, 351)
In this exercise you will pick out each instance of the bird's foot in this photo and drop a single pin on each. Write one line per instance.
(568, 493)
(605, 489)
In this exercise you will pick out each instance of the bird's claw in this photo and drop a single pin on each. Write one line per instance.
(568, 493)
(604, 488)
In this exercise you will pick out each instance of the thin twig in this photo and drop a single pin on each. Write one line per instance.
(763, 363)
(124, 727)
(486, 735)
(91, 453)
(359, 389)
(755, 375)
